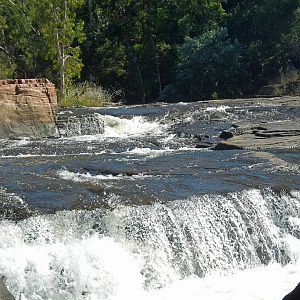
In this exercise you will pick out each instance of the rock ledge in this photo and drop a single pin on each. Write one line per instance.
(27, 108)
(271, 135)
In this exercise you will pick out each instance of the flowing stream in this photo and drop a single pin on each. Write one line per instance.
(128, 204)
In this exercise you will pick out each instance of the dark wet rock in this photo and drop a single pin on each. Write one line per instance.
(4, 292)
(203, 145)
(226, 146)
(225, 135)
(12, 207)
(293, 295)
(257, 128)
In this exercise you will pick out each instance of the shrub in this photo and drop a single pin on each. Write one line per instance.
(89, 94)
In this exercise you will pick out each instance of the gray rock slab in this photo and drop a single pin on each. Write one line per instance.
(272, 135)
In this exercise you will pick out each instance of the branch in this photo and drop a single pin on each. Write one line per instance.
(4, 50)
(68, 56)
(11, 2)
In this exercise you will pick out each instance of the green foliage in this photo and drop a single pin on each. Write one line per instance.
(262, 26)
(210, 67)
(88, 94)
(60, 34)
(38, 38)
(133, 44)
(152, 49)
(292, 41)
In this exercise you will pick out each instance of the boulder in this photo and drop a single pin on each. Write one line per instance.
(4, 292)
(225, 135)
(28, 108)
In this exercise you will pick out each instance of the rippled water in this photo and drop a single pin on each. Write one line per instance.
(139, 211)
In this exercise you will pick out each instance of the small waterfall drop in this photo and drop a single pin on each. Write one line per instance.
(90, 124)
(105, 125)
(137, 251)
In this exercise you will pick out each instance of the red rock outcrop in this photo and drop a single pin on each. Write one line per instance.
(27, 108)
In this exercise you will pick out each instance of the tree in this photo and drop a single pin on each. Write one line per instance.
(7, 66)
(132, 45)
(292, 41)
(17, 37)
(209, 66)
(61, 30)
(262, 25)
(40, 38)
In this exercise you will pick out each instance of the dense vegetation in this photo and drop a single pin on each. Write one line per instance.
(153, 50)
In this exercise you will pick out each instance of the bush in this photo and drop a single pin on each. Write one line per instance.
(209, 66)
(89, 94)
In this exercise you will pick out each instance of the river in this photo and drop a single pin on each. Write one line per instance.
(143, 208)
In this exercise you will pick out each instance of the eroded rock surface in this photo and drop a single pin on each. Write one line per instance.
(277, 135)
(27, 108)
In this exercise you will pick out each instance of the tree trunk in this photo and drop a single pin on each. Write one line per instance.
(141, 83)
(90, 9)
(62, 75)
(157, 69)
(62, 55)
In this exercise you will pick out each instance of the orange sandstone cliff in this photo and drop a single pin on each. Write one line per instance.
(28, 108)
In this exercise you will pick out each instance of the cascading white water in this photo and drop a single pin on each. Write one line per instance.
(83, 125)
(107, 126)
(218, 247)
(136, 126)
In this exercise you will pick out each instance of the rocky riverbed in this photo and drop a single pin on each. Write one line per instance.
(135, 202)
(262, 134)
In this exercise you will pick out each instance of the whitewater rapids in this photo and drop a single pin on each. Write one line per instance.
(243, 245)
(133, 203)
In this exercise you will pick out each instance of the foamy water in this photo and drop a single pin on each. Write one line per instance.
(114, 127)
(221, 108)
(87, 177)
(232, 246)
(136, 126)
(199, 248)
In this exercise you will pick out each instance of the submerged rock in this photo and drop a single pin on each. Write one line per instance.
(12, 207)
(4, 292)
(202, 145)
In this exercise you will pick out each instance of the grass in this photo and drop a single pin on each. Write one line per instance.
(88, 94)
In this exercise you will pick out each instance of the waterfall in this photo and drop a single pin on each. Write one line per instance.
(150, 251)
(108, 126)
(90, 124)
